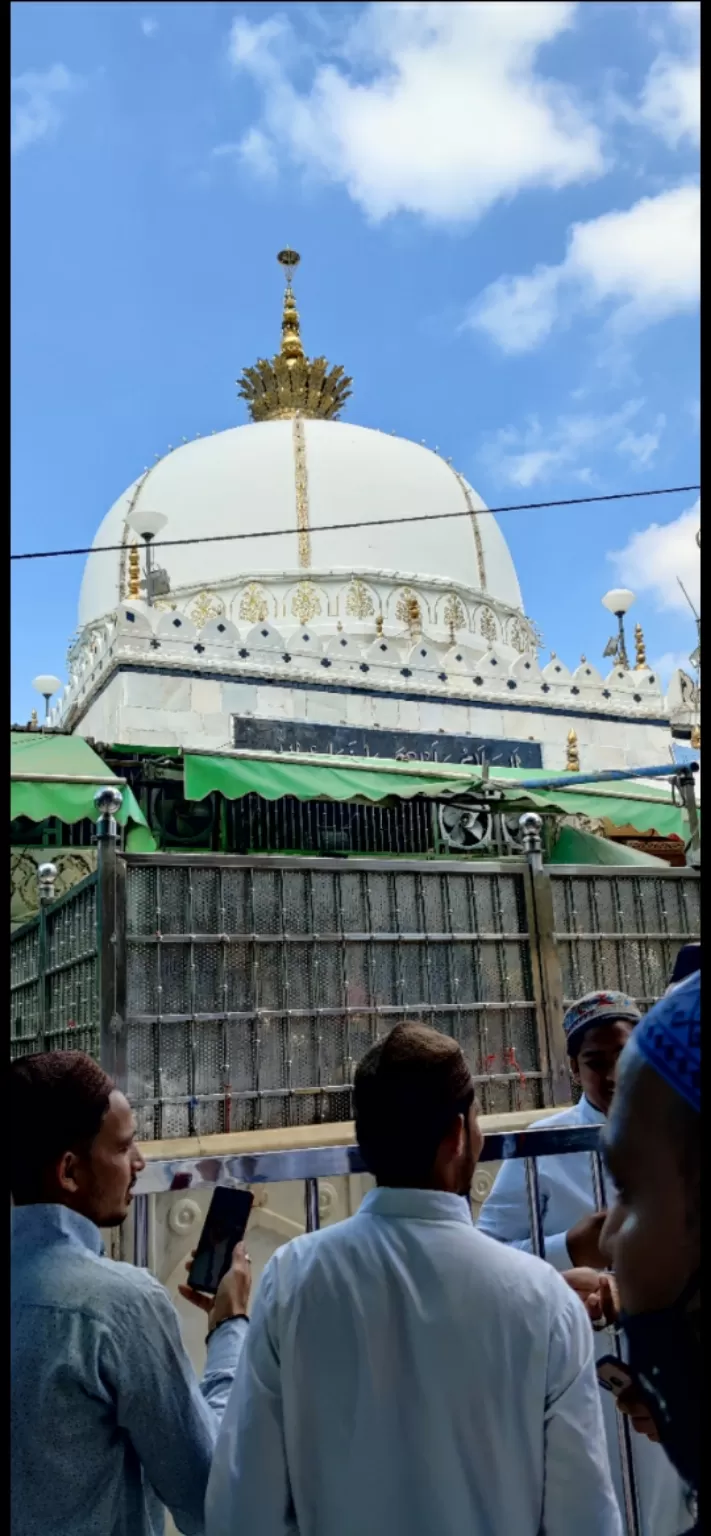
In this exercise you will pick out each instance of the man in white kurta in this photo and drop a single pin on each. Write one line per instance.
(597, 1029)
(403, 1374)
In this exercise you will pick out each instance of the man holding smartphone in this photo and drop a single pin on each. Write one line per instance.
(108, 1420)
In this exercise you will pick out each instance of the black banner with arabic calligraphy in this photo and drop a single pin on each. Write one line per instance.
(401, 746)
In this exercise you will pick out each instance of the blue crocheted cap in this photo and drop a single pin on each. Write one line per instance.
(687, 961)
(597, 1008)
(669, 1038)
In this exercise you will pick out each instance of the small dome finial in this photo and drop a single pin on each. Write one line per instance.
(572, 756)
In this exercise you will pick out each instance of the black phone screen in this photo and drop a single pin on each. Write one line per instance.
(613, 1375)
(225, 1225)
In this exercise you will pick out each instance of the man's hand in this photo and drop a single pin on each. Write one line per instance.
(638, 1412)
(584, 1242)
(603, 1305)
(585, 1282)
(232, 1295)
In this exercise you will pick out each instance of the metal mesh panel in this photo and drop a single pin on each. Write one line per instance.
(254, 989)
(621, 929)
(54, 977)
(25, 991)
(72, 973)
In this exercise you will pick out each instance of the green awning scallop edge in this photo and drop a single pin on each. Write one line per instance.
(58, 762)
(273, 777)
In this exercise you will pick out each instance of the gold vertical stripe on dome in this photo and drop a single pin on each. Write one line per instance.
(481, 567)
(301, 483)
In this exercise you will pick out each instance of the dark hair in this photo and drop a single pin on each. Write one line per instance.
(57, 1103)
(407, 1092)
(687, 963)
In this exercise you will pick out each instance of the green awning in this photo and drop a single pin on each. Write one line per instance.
(272, 775)
(573, 846)
(58, 776)
(275, 776)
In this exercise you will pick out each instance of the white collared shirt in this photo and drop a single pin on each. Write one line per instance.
(406, 1376)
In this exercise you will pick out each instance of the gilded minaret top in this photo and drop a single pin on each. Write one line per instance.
(291, 384)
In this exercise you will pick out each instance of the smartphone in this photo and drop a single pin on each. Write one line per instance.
(225, 1226)
(613, 1375)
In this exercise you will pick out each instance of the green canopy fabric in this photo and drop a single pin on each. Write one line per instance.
(573, 846)
(65, 775)
(645, 807)
(272, 778)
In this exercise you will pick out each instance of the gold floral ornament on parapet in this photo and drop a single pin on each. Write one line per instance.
(407, 610)
(454, 616)
(306, 602)
(359, 603)
(291, 384)
(206, 607)
(254, 604)
(487, 626)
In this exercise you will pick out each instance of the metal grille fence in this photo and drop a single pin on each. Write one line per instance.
(54, 977)
(323, 826)
(622, 928)
(26, 985)
(229, 993)
(255, 986)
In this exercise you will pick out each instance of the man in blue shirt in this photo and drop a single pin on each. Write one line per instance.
(108, 1421)
(404, 1375)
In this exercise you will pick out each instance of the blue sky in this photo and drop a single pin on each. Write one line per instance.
(497, 211)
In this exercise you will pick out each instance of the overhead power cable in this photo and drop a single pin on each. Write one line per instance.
(373, 522)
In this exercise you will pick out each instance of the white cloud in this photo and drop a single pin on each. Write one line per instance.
(149, 26)
(643, 263)
(671, 99)
(35, 113)
(534, 455)
(652, 560)
(641, 447)
(254, 150)
(434, 109)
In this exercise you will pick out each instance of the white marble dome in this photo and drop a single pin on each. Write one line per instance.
(253, 477)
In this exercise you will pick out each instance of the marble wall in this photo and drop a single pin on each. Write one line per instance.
(154, 709)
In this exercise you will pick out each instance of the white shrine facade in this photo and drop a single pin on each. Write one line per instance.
(338, 620)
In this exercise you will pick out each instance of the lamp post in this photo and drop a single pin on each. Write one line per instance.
(147, 524)
(619, 601)
(47, 685)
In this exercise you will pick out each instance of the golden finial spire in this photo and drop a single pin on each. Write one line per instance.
(291, 346)
(291, 384)
(572, 756)
(640, 649)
